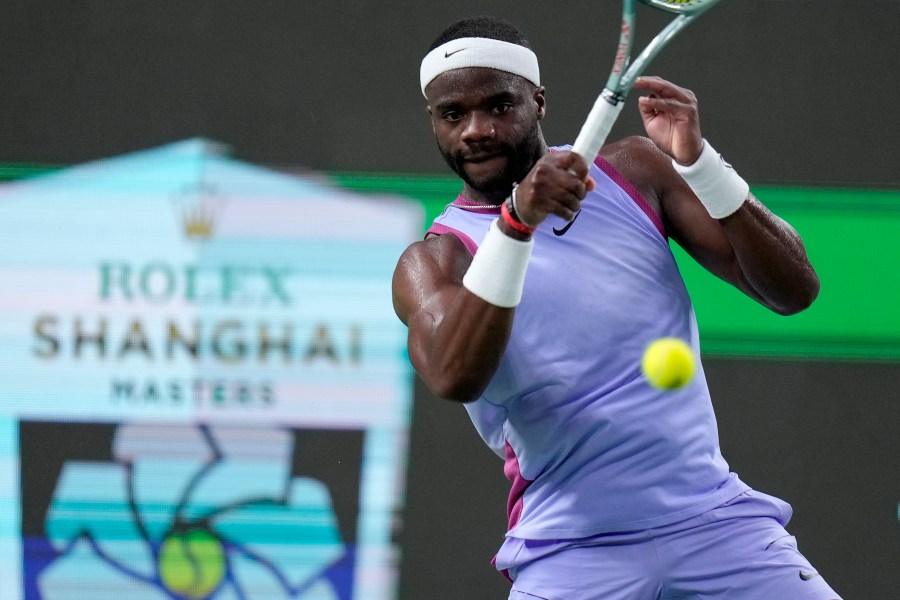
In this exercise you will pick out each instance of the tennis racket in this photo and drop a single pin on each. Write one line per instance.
(610, 102)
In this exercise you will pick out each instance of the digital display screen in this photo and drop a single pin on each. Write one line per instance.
(206, 392)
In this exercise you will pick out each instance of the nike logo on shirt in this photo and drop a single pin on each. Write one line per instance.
(569, 224)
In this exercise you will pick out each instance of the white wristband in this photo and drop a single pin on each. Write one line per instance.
(721, 190)
(497, 272)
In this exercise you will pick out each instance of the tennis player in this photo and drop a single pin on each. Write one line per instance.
(531, 300)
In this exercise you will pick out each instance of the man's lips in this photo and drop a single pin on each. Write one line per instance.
(480, 158)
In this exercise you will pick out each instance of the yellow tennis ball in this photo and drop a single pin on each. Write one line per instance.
(668, 363)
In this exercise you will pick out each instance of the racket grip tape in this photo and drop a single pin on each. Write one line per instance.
(597, 126)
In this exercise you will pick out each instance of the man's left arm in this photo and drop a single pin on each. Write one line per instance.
(753, 249)
(710, 212)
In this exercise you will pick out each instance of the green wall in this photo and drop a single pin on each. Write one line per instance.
(852, 237)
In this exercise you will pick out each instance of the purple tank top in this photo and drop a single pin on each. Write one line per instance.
(589, 446)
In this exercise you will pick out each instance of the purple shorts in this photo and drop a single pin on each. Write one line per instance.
(738, 551)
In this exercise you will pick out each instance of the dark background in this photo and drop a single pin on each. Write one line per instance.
(797, 91)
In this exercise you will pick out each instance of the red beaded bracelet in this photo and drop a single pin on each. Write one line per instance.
(513, 222)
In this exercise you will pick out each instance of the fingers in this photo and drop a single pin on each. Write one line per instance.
(565, 206)
(647, 109)
(671, 118)
(555, 185)
(664, 89)
(573, 162)
(651, 82)
(651, 106)
(575, 180)
(574, 183)
(664, 97)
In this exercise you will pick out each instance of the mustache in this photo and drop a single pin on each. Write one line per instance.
(481, 151)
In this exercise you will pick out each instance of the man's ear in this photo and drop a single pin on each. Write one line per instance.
(428, 110)
(540, 101)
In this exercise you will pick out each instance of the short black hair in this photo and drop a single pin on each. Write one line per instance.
(483, 27)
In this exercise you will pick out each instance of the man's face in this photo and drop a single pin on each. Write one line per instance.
(486, 125)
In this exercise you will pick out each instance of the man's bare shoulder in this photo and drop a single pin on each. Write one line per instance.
(432, 262)
(442, 251)
(424, 268)
(642, 163)
(635, 157)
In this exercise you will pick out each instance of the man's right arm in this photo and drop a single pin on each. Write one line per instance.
(456, 339)
(458, 333)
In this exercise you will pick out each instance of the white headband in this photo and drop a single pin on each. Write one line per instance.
(480, 52)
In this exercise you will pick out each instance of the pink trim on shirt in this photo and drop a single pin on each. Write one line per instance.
(440, 229)
(632, 191)
(504, 572)
(519, 485)
(516, 495)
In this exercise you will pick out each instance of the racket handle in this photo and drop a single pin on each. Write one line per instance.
(598, 125)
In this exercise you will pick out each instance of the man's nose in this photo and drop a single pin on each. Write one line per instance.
(479, 126)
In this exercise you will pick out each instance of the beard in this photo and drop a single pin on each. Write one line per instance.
(520, 157)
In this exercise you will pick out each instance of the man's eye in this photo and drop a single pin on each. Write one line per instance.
(502, 108)
(452, 115)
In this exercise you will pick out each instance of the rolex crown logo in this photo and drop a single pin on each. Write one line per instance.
(198, 221)
(198, 205)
